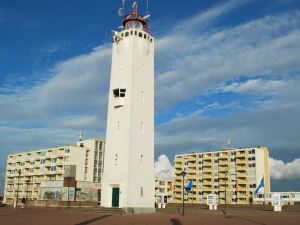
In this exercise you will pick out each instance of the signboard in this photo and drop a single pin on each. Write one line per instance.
(277, 202)
(212, 201)
(277, 199)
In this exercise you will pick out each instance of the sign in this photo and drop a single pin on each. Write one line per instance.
(277, 202)
(212, 199)
(277, 199)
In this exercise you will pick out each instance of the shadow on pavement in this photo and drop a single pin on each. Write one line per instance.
(92, 220)
(175, 222)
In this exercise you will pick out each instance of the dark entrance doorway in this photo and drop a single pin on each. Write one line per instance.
(115, 197)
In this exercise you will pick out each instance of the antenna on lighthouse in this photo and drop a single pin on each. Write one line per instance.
(147, 9)
(80, 136)
(121, 11)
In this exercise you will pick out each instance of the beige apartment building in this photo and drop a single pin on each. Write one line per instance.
(234, 173)
(163, 189)
(26, 171)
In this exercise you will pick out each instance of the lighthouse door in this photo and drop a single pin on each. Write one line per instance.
(115, 197)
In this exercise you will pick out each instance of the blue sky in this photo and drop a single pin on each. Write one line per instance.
(224, 69)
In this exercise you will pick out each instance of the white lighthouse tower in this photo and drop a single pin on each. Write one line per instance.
(128, 175)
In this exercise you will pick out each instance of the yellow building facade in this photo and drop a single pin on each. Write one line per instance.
(231, 173)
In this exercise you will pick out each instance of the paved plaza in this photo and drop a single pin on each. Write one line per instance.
(46, 216)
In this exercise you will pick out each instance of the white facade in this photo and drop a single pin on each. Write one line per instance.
(96, 158)
(129, 158)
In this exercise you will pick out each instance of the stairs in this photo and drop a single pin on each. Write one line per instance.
(101, 210)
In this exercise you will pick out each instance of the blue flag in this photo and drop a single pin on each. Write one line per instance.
(189, 186)
(262, 184)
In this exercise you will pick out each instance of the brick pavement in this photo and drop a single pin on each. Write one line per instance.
(43, 216)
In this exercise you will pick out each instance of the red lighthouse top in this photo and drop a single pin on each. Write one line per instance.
(134, 20)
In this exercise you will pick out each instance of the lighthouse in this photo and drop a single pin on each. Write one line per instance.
(128, 175)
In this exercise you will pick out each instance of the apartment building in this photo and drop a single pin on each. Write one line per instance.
(163, 189)
(25, 172)
(234, 173)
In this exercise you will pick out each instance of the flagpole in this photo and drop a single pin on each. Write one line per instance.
(264, 191)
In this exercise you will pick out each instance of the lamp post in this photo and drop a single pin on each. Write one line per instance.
(17, 198)
(226, 172)
(183, 173)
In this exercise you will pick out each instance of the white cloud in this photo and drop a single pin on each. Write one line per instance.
(204, 19)
(258, 86)
(280, 170)
(266, 47)
(163, 168)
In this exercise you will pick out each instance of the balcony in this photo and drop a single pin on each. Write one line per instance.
(191, 177)
(206, 176)
(223, 162)
(223, 156)
(207, 183)
(241, 155)
(192, 158)
(192, 171)
(177, 172)
(241, 161)
(207, 164)
(241, 175)
(178, 159)
(204, 189)
(241, 182)
(207, 170)
(192, 165)
(207, 158)
(223, 169)
(241, 168)
(59, 163)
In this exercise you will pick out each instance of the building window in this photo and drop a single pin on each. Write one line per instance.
(119, 92)
(53, 160)
(67, 150)
(131, 32)
(140, 34)
(118, 126)
(126, 34)
(52, 168)
(142, 192)
(42, 161)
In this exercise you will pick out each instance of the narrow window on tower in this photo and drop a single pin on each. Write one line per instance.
(116, 159)
(142, 192)
(142, 127)
(118, 126)
(140, 34)
(141, 160)
(126, 34)
(143, 96)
